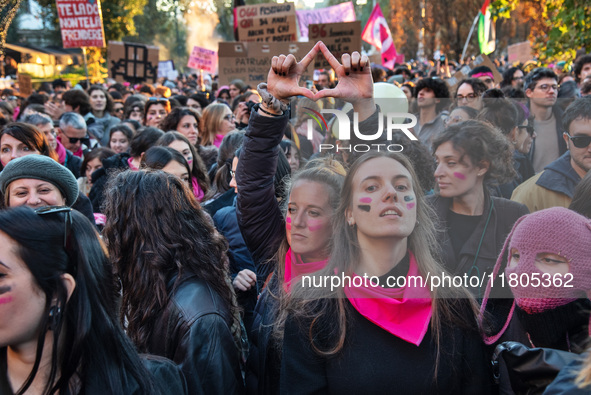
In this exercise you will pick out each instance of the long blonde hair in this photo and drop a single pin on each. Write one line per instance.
(211, 121)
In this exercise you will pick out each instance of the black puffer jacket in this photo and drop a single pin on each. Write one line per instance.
(194, 331)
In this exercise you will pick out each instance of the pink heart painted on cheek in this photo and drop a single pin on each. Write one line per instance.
(410, 206)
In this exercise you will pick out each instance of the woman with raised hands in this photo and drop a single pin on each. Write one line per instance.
(285, 245)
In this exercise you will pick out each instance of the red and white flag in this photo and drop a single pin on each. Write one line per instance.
(377, 33)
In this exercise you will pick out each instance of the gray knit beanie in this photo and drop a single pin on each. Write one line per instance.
(43, 168)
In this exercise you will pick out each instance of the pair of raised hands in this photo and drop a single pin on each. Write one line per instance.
(353, 72)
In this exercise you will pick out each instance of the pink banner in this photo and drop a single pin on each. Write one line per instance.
(203, 59)
(344, 12)
(81, 23)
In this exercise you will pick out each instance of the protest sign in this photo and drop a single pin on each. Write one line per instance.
(81, 23)
(203, 59)
(164, 67)
(251, 61)
(519, 53)
(132, 62)
(340, 38)
(25, 85)
(344, 12)
(480, 60)
(266, 22)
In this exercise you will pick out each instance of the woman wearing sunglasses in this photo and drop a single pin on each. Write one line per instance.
(216, 122)
(58, 300)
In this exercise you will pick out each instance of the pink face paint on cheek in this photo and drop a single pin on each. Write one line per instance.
(288, 223)
(459, 175)
(314, 225)
(410, 206)
(365, 200)
(6, 299)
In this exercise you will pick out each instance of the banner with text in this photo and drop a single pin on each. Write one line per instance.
(340, 38)
(251, 61)
(267, 22)
(344, 12)
(203, 59)
(81, 23)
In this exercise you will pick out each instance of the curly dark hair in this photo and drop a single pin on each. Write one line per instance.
(499, 112)
(481, 141)
(535, 75)
(77, 98)
(156, 230)
(172, 120)
(439, 87)
(579, 63)
(508, 76)
(477, 86)
(108, 97)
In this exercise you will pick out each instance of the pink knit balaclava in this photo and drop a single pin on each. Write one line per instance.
(557, 231)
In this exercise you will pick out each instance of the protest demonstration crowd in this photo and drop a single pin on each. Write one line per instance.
(372, 230)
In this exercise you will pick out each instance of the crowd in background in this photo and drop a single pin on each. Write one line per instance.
(176, 220)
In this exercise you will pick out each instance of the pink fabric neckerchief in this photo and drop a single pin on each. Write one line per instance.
(78, 153)
(296, 268)
(61, 152)
(131, 165)
(197, 191)
(218, 140)
(404, 312)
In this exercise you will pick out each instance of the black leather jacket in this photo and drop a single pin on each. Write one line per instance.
(194, 331)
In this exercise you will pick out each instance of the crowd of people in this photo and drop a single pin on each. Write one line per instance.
(174, 238)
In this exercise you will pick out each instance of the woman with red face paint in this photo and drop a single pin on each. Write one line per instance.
(395, 331)
(473, 224)
(284, 246)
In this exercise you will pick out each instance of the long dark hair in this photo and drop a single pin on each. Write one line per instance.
(31, 137)
(155, 231)
(197, 168)
(172, 120)
(93, 346)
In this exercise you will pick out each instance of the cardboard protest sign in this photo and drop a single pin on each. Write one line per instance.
(203, 59)
(344, 12)
(251, 61)
(266, 22)
(164, 67)
(340, 38)
(132, 62)
(480, 60)
(519, 53)
(25, 85)
(81, 23)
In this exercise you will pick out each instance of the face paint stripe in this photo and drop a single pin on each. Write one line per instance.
(5, 289)
(288, 220)
(5, 300)
(365, 200)
(364, 207)
(459, 175)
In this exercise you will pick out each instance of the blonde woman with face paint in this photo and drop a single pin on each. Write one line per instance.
(285, 242)
(474, 225)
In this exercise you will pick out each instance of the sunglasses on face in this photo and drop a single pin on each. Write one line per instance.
(579, 141)
(529, 128)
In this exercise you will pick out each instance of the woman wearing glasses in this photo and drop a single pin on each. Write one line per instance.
(58, 300)
(217, 121)
(177, 298)
(155, 110)
(101, 104)
(469, 93)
